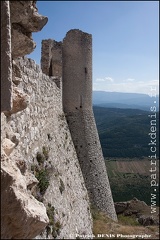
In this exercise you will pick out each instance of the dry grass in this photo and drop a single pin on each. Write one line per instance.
(103, 225)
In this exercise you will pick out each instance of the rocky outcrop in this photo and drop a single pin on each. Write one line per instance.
(23, 217)
(20, 101)
(6, 62)
(16, 74)
(130, 207)
(121, 207)
(24, 20)
(148, 220)
(139, 209)
(8, 146)
(18, 20)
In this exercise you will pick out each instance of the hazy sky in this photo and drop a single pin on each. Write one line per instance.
(125, 39)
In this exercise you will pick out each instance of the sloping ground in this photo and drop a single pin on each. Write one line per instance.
(126, 228)
(124, 132)
(133, 167)
(129, 176)
(130, 166)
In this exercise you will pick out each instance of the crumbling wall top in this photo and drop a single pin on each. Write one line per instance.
(51, 57)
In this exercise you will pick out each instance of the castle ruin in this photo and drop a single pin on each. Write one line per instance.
(72, 59)
(77, 104)
(48, 108)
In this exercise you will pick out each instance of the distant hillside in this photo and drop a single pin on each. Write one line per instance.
(128, 177)
(124, 100)
(124, 132)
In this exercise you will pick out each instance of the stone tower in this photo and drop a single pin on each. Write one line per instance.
(77, 105)
(51, 60)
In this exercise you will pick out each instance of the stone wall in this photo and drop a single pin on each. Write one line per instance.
(56, 64)
(22, 216)
(42, 189)
(77, 105)
(46, 56)
(44, 194)
(51, 58)
(6, 64)
(43, 124)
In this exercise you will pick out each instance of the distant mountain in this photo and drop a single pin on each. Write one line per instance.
(124, 132)
(124, 100)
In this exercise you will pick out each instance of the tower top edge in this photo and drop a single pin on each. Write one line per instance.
(77, 31)
(51, 41)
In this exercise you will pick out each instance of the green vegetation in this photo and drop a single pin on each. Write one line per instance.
(128, 177)
(42, 176)
(127, 220)
(94, 212)
(40, 158)
(124, 132)
(45, 152)
(41, 173)
(61, 187)
(51, 213)
(126, 225)
(54, 226)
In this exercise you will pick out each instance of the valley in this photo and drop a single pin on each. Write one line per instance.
(124, 133)
(130, 178)
(124, 139)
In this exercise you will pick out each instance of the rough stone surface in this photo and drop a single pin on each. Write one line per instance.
(8, 146)
(148, 220)
(20, 101)
(23, 217)
(139, 209)
(40, 170)
(77, 105)
(51, 60)
(22, 44)
(133, 206)
(120, 207)
(46, 55)
(56, 64)
(24, 19)
(16, 74)
(26, 14)
(6, 62)
(43, 124)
